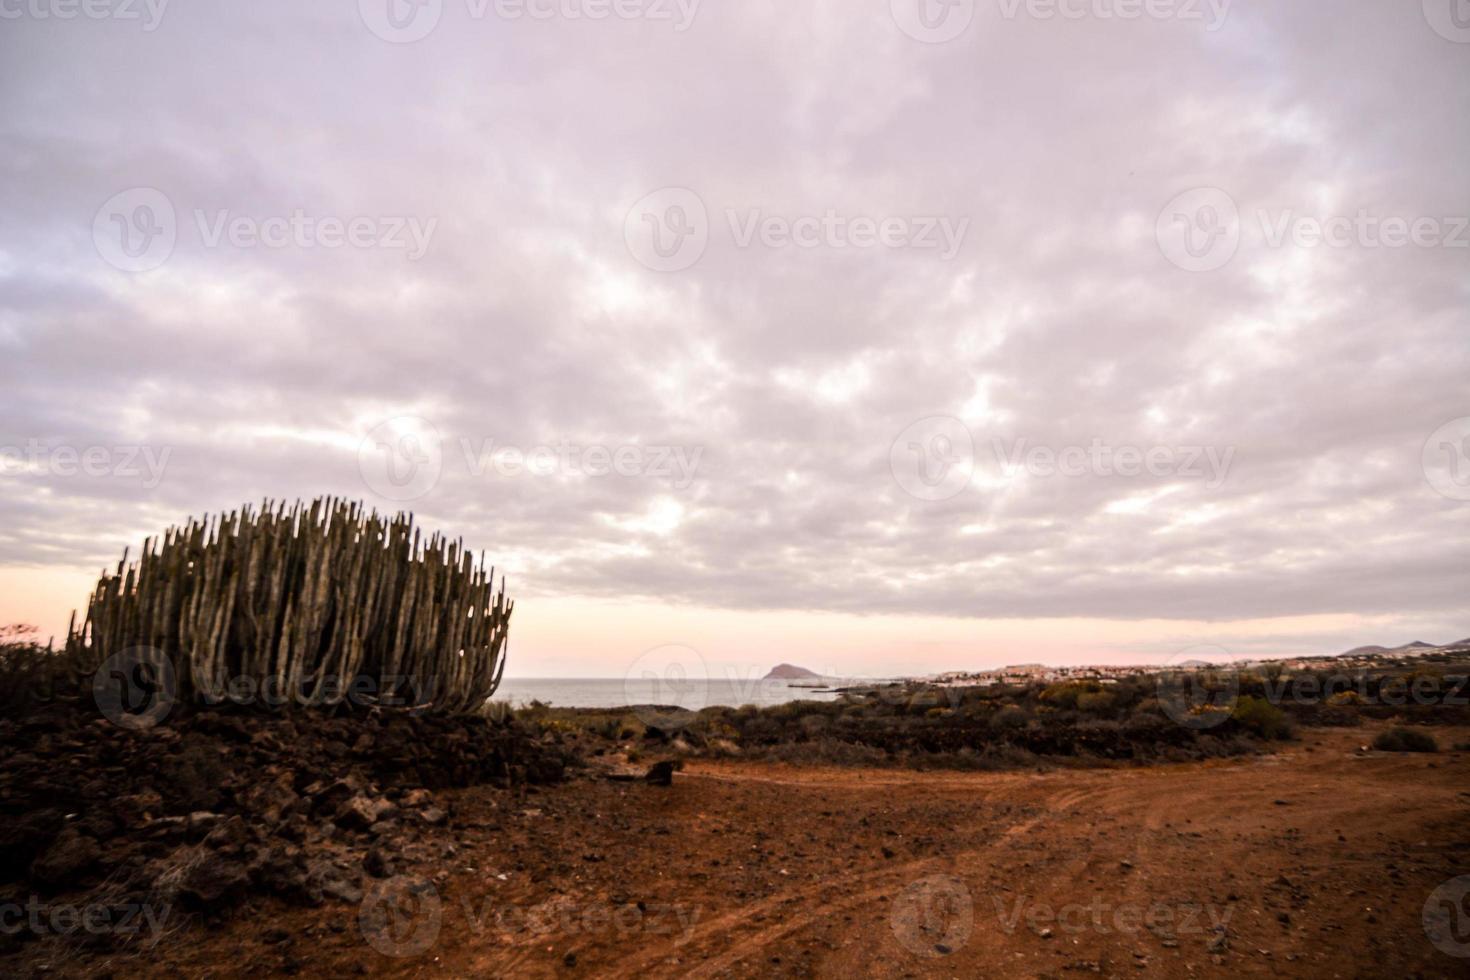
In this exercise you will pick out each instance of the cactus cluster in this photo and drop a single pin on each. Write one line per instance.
(323, 601)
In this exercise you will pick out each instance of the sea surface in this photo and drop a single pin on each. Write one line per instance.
(691, 693)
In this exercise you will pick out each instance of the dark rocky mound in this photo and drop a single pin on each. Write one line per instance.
(791, 672)
(218, 805)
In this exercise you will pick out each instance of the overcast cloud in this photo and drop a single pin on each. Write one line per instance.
(780, 260)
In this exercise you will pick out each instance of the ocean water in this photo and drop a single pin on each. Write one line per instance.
(691, 693)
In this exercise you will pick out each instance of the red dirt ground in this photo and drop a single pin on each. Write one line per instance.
(1316, 861)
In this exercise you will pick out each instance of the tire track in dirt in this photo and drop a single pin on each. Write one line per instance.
(873, 884)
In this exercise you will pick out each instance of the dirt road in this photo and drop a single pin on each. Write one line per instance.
(1315, 861)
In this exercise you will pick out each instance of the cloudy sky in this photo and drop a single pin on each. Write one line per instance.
(876, 336)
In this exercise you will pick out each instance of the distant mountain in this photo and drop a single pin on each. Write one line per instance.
(1407, 650)
(791, 672)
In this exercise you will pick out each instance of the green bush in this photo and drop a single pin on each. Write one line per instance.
(923, 700)
(1010, 717)
(29, 672)
(1261, 718)
(789, 711)
(1068, 693)
(1405, 740)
